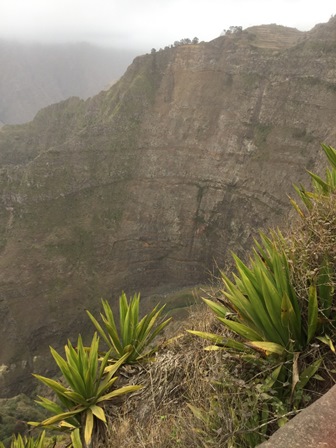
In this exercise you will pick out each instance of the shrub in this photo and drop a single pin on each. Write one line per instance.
(89, 381)
(135, 335)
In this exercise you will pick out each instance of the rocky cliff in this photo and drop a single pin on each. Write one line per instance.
(149, 185)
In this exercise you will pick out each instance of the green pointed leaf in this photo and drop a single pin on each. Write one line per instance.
(290, 322)
(105, 385)
(273, 377)
(118, 392)
(62, 364)
(75, 439)
(57, 418)
(65, 424)
(254, 311)
(213, 348)
(115, 340)
(142, 326)
(116, 365)
(108, 319)
(98, 327)
(318, 377)
(331, 154)
(308, 373)
(325, 288)
(312, 313)
(323, 186)
(268, 347)
(241, 329)
(49, 405)
(141, 349)
(276, 332)
(304, 196)
(98, 412)
(216, 339)
(231, 343)
(217, 308)
(75, 397)
(246, 302)
(88, 426)
(296, 207)
(327, 341)
(103, 363)
(54, 385)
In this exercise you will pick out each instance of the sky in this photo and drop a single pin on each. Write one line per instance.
(146, 24)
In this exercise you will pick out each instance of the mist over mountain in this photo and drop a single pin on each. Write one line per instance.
(149, 185)
(33, 76)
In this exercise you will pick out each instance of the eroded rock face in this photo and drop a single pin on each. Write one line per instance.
(150, 184)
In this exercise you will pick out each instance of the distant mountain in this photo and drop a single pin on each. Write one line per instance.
(148, 185)
(33, 76)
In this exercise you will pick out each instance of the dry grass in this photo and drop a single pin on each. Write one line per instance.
(311, 241)
(185, 374)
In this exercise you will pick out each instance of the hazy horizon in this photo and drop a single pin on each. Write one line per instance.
(131, 24)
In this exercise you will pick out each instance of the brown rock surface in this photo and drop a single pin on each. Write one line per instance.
(314, 427)
(147, 186)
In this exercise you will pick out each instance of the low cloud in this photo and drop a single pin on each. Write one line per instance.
(149, 23)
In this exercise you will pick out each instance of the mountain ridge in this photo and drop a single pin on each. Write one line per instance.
(36, 75)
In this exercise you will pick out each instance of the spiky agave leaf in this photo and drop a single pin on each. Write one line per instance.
(219, 341)
(312, 313)
(88, 428)
(76, 439)
(325, 288)
(330, 152)
(117, 392)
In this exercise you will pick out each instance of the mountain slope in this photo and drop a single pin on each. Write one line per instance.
(33, 76)
(147, 186)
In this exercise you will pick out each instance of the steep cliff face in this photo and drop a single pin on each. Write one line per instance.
(150, 184)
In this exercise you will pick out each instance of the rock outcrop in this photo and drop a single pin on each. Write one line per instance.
(149, 185)
(314, 427)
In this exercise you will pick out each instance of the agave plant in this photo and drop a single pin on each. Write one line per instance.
(26, 442)
(261, 306)
(89, 382)
(134, 336)
(320, 186)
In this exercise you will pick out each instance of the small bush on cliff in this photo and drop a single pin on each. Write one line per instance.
(89, 382)
(135, 335)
